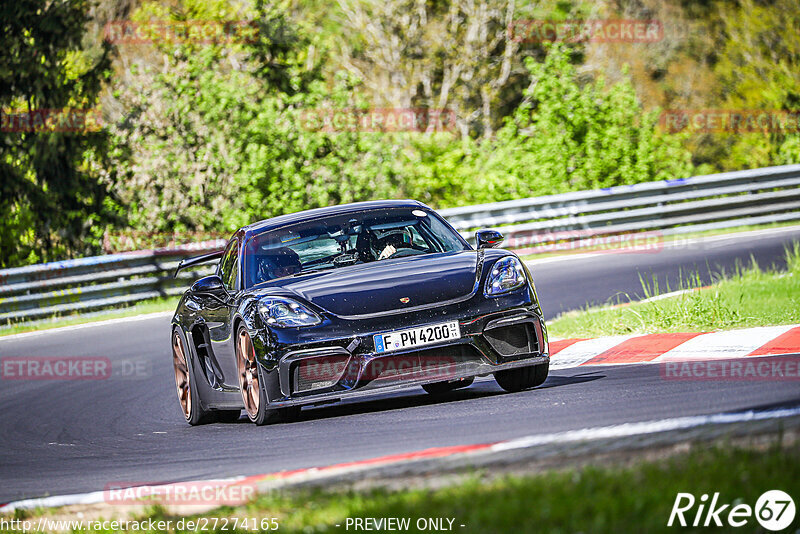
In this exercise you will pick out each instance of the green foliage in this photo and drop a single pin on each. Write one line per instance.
(218, 139)
(567, 136)
(292, 166)
(216, 146)
(208, 136)
(759, 69)
(180, 135)
(54, 198)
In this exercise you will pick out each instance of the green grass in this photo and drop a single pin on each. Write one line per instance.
(140, 308)
(633, 498)
(592, 499)
(745, 298)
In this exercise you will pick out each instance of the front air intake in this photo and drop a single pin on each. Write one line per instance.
(512, 340)
(320, 372)
(442, 363)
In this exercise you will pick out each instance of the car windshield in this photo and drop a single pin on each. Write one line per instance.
(346, 239)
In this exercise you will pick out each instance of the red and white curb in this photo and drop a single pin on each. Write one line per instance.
(612, 350)
(692, 346)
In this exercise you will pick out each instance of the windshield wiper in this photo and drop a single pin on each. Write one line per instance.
(301, 273)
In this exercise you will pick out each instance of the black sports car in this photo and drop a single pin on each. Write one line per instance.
(339, 302)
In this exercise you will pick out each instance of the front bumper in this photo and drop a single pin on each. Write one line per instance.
(344, 367)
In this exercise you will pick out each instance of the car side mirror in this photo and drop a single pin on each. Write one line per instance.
(208, 284)
(488, 238)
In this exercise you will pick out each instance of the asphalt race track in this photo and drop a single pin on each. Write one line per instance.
(63, 437)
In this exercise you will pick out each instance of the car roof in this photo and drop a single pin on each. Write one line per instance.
(307, 215)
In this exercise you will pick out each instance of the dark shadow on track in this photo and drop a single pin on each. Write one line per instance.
(554, 381)
(412, 398)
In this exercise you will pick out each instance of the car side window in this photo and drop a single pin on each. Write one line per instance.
(229, 266)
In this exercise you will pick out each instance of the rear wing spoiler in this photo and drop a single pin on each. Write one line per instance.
(197, 260)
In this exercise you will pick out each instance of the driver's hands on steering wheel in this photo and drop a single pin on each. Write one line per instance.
(388, 251)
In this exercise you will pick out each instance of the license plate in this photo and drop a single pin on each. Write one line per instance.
(416, 337)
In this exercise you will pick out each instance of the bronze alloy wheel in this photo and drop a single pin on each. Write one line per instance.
(248, 373)
(181, 375)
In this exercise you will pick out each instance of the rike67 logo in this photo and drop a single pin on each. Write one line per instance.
(774, 510)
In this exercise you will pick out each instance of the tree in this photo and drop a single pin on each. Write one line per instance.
(54, 183)
(570, 136)
(759, 69)
(217, 139)
(456, 55)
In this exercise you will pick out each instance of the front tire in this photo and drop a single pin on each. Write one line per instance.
(250, 384)
(513, 380)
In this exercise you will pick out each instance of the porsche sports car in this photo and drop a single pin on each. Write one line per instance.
(346, 301)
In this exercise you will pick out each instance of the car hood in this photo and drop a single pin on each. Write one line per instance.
(378, 287)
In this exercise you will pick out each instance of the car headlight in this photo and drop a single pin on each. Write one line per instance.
(284, 312)
(507, 275)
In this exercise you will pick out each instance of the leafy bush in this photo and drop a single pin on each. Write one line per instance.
(567, 136)
(54, 183)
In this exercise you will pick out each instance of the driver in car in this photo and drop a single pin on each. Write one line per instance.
(279, 263)
(391, 242)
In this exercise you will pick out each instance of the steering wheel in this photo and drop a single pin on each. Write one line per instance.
(406, 251)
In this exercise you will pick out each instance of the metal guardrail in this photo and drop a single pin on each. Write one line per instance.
(667, 207)
(98, 282)
(714, 201)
